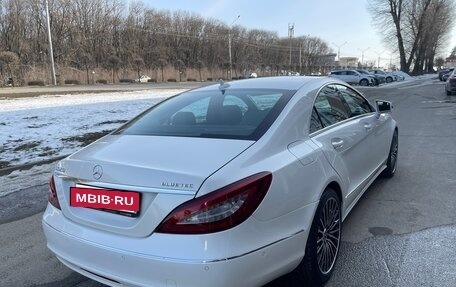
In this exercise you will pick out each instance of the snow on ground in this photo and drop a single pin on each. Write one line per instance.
(407, 82)
(403, 74)
(34, 129)
(40, 128)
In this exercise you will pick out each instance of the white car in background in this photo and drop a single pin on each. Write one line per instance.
(389, 77)
(143, 79)
(233, 184)
(353, 77)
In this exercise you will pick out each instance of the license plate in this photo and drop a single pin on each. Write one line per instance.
(118, 201)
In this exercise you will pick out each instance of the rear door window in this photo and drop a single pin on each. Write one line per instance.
(330, 106)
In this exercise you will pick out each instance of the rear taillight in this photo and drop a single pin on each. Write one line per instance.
(219, 210)
(53, 199)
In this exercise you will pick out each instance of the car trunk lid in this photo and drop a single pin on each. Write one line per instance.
(166, 171)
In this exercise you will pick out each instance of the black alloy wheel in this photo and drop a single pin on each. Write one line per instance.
(364, 82)
(391, 163)
(323, 243)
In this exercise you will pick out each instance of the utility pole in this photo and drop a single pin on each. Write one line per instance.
(51, 53)
(300, 59)
(391, 62)
(362, 55)
(290, 35)
(229, 46)
(378, 59)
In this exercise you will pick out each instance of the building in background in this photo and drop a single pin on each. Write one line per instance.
(348, 63)
(450, 61)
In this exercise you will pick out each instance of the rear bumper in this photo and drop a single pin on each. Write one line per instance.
(122, 267)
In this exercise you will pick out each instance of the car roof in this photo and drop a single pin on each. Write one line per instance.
(281, 83)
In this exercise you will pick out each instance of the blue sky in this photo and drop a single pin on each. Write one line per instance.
(334, 21)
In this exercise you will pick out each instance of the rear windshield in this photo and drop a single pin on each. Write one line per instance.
(231, 114)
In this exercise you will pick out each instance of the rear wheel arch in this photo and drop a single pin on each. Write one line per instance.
(336, 187)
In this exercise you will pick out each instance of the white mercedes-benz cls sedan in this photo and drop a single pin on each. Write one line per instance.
(233, 184)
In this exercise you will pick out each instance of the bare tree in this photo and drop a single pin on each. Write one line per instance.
(113, 63)
(8, 62)
(104, 27)
(410, 27)
(162, 64)
(86, 62)
(453, 53)
(139, 63)
(181, 68)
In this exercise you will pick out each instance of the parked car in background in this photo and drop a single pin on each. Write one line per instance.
(399, 75)
(233, 184)
(450, 86)
(353, 77)
(378, 79)
(446, 74)
(389, 77)
(442, 73)
(143, 79)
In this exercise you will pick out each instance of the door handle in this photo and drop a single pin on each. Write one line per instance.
(368, 127)
(337, 143)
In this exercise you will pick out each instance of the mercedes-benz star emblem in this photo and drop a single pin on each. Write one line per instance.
(97, 171)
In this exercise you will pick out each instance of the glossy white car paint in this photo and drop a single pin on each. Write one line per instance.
(143, 79)
(123, 251)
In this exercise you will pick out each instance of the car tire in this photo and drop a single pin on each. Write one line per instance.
(391, 162)
(324, 239)
(389, 79)
(364, 82)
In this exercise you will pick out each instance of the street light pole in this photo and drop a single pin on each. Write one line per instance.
(229, 46)
(290, 35)
(51, 53)
(338, 49)
(378, 59)
(362, 55)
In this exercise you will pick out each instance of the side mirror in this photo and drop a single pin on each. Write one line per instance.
(383, 106)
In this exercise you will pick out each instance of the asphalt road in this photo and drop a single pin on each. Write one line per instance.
(401, 233)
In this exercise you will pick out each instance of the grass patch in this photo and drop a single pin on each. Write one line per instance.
(47, 151)
(87, 138)
(37, 126)
(27, 146)
(72, 82)
(4, 164)
(111, 122)
(35, 83)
